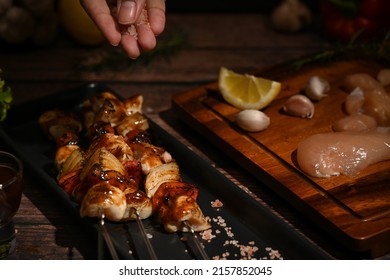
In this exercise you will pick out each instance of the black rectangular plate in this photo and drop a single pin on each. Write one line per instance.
(241, 220)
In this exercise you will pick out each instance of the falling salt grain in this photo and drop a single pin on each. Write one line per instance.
(149, 110)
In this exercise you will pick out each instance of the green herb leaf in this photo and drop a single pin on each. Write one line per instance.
(5, 99)
(374, 50)
(348, 7)
(118, 60)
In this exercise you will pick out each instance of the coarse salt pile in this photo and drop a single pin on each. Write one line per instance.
(132, 29)
(243, 251)
(208, 235)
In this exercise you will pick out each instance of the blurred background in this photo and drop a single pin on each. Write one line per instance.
(230, 6)
(39, 22)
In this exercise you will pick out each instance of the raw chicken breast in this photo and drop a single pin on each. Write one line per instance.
(335, 153)
(367, 96)
(356, 122)
(362, 80)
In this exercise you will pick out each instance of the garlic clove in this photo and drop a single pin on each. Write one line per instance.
(291, 16)
(316, 88)
(252, 120)
(299, 106)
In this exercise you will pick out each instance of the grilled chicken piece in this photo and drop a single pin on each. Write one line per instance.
(98, 129)
(149, 155)
(104, 199)
(105, 178)
(112, 143)
(133, 104)
(136, 121)
(168, 172)
(56, 123)
(112, 111)
(70, 181)
(138, 136)
(103, 166)
(137, 204)
(67, 138)
(91, 106)
(175, 203)
(109, 108)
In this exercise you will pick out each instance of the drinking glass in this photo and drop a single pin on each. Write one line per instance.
(11, 175)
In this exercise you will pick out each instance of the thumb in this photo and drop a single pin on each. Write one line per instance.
(129, 10)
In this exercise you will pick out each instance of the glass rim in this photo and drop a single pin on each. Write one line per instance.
(19, 170)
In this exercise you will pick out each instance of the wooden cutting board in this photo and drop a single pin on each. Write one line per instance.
(355, 210)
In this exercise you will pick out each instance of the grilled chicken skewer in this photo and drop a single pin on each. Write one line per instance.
(157, 165)
(106, 177)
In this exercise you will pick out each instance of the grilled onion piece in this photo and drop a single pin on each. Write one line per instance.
(168, 172)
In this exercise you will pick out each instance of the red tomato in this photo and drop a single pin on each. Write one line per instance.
(371, 16)
(373, 8)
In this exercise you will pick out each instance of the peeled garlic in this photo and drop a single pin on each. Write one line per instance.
(252, 120)
(291, 16)
(316, 88)
(299, 106)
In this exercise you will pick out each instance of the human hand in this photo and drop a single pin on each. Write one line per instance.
(132, 24)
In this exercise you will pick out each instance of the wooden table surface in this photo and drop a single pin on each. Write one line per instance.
(243, 42)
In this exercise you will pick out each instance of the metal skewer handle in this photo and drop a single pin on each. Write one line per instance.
(107, 238)
(149, 246)
(197, 243)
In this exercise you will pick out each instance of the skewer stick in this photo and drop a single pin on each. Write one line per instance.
(141, 227)
(100, 251)
(197, 243)
(107, 238)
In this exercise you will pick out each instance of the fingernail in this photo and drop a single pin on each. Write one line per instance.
(127, 12)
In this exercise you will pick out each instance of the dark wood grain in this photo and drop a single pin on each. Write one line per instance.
(244, 42)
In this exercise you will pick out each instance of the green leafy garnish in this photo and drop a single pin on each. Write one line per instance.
(379, 50)
(4, 250)
(114, 60)
(5, 99)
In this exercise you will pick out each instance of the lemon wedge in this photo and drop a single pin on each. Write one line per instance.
(78, 24)
(245, 91)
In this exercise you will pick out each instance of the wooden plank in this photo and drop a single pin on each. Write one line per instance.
(354, 209)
